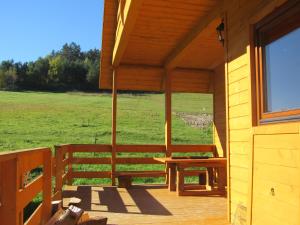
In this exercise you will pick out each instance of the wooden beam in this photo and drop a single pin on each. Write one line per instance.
(126, 21)
(108, 41)
(151, 78)
(175, 56)
(114, 128)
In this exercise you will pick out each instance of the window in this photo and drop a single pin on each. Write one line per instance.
(277, 65)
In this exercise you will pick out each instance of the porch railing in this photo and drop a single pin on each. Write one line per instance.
(16, 192)
(65, 157)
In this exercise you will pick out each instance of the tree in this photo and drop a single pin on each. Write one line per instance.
(8, 78)
(66, 69)
(71, 52)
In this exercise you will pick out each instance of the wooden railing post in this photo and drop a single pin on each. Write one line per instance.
(168, 118)
(58, 172)
(47, 186)
(70, 167)
(114, 128)
(8, 193)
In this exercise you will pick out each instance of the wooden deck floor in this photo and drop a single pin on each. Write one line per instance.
(148, 205)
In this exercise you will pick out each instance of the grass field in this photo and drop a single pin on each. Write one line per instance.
(37, 119)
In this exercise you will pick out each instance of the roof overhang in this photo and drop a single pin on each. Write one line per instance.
(144, 38)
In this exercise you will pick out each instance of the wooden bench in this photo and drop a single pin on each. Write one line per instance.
(215, 179)
(215, 174)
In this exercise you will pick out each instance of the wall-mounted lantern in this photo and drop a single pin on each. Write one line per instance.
(220, 31)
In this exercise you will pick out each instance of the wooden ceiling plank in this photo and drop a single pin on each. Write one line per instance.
(130, 14)
(174, 57)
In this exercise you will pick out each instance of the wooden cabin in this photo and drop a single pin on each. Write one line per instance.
(245, 53)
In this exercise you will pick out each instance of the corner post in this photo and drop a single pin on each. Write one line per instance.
(114, 128)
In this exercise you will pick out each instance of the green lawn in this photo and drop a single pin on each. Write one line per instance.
(37, 119)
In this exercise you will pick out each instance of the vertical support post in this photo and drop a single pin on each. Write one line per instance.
(47, 186)
(168, 112)
(58, 172)
(168, 118)
(114, 128)
(70, 167)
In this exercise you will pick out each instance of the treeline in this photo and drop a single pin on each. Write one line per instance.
(66, 69)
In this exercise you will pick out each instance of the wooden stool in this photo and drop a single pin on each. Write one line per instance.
(124, 181)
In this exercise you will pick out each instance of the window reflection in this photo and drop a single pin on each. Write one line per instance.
(282, 73)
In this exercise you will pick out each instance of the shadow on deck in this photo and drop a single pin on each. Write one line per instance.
(148, 205)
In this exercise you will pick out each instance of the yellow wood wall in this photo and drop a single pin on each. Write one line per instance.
(275, 162)
(219, 110)
(276, 174)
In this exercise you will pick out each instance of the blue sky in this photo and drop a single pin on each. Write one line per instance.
(33, 28)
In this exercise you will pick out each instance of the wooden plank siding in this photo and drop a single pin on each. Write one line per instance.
(273, 155)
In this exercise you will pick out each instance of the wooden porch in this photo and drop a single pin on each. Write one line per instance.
(148, 204)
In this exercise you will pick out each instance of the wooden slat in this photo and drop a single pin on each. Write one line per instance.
(29, 192)
(141, 148)
(141, 173)
(137, 161)
(90, 148)
(192, 148)
(91, 174)
(36, 216)
(91, 161)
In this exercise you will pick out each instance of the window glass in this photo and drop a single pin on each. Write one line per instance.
(282, 73)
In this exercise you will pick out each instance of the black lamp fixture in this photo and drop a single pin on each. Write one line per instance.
(220, 32)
